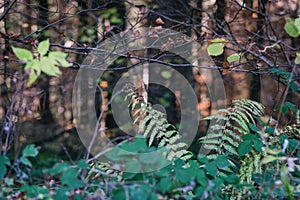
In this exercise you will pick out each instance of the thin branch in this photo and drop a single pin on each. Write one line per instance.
(7, 9)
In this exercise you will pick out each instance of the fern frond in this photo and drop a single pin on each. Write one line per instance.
(156, 127)
(232, 123)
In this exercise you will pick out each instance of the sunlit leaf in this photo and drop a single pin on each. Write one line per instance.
(22, 54)
(32, 78)
(297, 23)
(291, 29)
(47, 65)
(215, 49)
(218, 40)
(233, 57)
(166, 74)
(43, 47)
(116, 20)
(297, 59)
(60, 57)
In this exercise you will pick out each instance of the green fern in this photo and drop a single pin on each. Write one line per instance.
(226, 134)
(153, 125)
(231, 124)
(103, 170)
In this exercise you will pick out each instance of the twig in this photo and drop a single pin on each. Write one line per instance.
(7, 9)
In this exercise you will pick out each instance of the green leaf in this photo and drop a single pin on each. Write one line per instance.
(291, 29)
(106, 15)
(164, 185)
(30, 151)
(22, 54)
(233, 57)
(232, 179)
(149, 158)
(294, 87)
(116, 20)
(32, 78)
(222, 162)
(133, 166)
(297, 23)
(47, 65)
(35, 65)
(199, 191)
(8, 181)
(217, 183)
(60, 57)
(211, 168)
(43, 47)
(69, 178)
(218, 40)
(25, 161)
(184, 175)
(58, 168)
(215, 49)
(297, 59)
(258, 144)
(284, 109)
(3, 162)
(140, 192)
(253, 127)
(270, 130)
(166, 74)
(244, 147)
(62, 193)
(291, 106)
(248, 137)
(201, 177)
(3, 171)
(34, 191)
(82, 164)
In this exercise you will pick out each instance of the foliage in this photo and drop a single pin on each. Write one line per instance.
(249, 158)
(47, 61)
(154, 126)
(292, 27)
(216, 47)
(230, 135)
(241, 171)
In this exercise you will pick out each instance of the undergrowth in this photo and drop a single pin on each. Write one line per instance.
(247, 159)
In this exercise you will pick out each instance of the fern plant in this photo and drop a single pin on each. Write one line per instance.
(226, 136)
(231, 124)
(153, 125)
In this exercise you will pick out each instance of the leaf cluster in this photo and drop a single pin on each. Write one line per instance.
(47, 62)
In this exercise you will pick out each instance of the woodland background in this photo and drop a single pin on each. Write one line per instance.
(41, 114)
